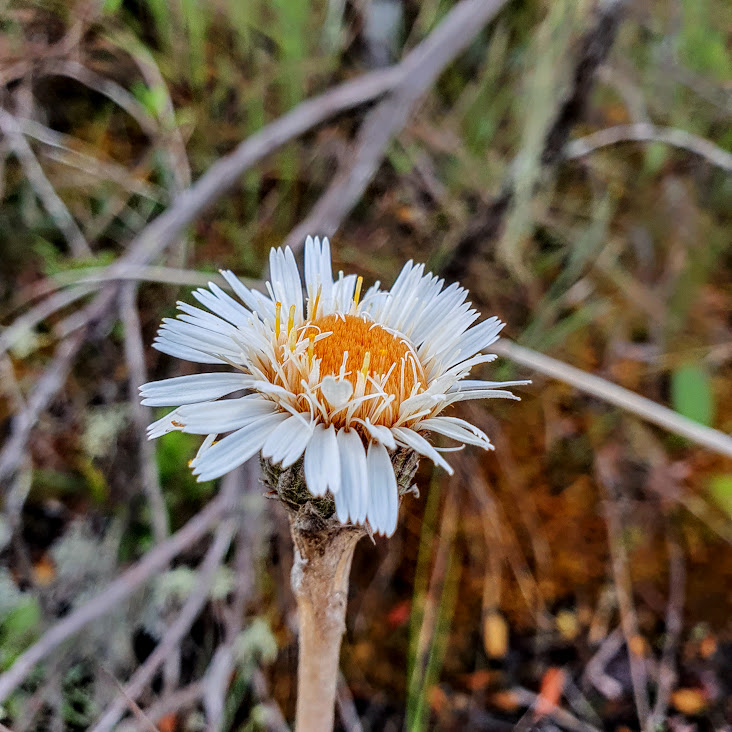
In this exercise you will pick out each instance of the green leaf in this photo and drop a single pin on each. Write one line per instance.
(18, 630)
(720, 491)
(691, 394)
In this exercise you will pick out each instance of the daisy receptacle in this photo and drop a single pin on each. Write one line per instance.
(335, 387)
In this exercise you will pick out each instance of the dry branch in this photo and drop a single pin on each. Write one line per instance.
(645, 132)
(42, 186)
(421, 68)
(116, 592)
(25, 323)
(142, 416)
(624, 398)
(667, 675)
(173, 703)
(143, 676)
(607, 474)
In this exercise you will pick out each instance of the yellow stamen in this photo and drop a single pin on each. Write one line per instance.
(311, 349)
(290, 319)
(383, 353)
(357, 294)
(366, 362)
(316, 302)
(278, 319)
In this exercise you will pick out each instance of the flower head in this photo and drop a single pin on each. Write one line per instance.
(343, 376)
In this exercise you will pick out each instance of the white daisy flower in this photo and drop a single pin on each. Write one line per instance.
(343, 377)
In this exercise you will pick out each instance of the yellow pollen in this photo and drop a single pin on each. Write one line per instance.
(292, 338)
(311, 338)
(357, 294)
(278, 319)
(291, 319)
(371, 350)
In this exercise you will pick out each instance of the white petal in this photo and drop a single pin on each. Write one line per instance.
(285, 281)
(236, 448)
(223, 305)
(456, 429)
(381, 434)
(192, 389)
(164, 425)
(322, 461)
(343, 289)
(184, 352)
(467, 384)
(341, 506)
(255, 301)
(318, 271)
(210, 439)
(223, 416)
(414, 440)
(461, 396)
(383, 492)
(353, 474)
(199, 338)
(288, 441)
(475, 340)
(336, 391)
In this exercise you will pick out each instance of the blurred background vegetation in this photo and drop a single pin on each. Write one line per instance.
(519, 584)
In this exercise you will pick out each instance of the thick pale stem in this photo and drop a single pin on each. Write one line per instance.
(323, 554)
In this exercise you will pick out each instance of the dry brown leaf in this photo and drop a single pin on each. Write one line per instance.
(495, 635)
(552, 685)
(689, 701)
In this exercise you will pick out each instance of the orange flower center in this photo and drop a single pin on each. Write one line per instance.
(372, 351)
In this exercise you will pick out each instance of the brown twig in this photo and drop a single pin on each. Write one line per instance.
(346, 707)
(78, 154)
(44, 390)
(95, 278)
(44, 309)
(42, 186)
(248, 539)
(143, 719)
(275, 719)
(645, 132)
(175, 633)
(594, 672)
(116, 592)
(501, 537)
(172, 703)
(561, 716)
(142, 416)
(607, 476)
(674, 624)
(430, 604)
(106, 87)
(421, 67)
(624, 398)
